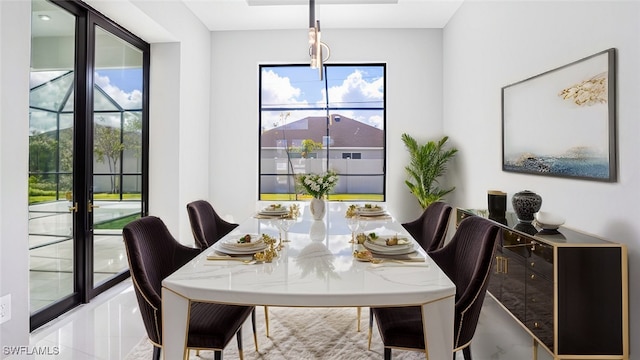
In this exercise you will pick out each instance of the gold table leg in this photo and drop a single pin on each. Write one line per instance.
(266, 318)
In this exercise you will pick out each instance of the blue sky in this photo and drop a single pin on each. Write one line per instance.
(126, 80)
(299, 86)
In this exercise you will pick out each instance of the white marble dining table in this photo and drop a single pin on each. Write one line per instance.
(314, 268)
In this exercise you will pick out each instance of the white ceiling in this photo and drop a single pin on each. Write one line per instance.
(223, 15)
(220, 15)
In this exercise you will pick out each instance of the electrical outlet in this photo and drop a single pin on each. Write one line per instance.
(5, 308)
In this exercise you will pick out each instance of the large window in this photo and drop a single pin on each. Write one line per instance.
(309, 125)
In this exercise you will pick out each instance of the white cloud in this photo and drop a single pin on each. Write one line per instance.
(376, 121)
(132, 100)
(40, 77)
(355, 90)
(277, 90)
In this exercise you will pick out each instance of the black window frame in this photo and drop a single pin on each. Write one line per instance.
(328, 109)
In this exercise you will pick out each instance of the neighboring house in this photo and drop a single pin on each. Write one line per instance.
(346, 137)
(353, 149)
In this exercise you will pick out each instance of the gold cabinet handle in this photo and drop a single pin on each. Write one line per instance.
(516, 245)
(90, 207)
(73, 208)
(501, 265)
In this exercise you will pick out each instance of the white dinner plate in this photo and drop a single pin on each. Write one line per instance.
(232, 242)
(379, 246)
(270, 212)
(232, 247)
(371, 211)
(219, 247)
(381, 241)
(275, 208)
(398, 251)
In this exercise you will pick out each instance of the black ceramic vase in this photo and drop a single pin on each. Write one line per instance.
(525, 204)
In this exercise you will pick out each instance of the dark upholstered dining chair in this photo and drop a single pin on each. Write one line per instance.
(466, 260)
(153, 254)
(207, 226)
(430, 229)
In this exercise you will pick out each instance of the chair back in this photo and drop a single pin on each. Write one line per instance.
(153, 254)
(430, 229)
(467, 260)
(207, 226)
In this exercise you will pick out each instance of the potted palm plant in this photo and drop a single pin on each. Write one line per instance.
(428, 163)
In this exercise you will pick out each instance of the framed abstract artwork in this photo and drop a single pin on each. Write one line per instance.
(563, 122)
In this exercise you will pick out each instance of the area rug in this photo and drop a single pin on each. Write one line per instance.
(301, 333)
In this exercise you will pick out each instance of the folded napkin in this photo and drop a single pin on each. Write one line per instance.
(264, 216)
(216, 256)
(377, 217)
(403, 264)
(412, 257)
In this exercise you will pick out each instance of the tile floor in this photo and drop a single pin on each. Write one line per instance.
(51, 249)
(106, 328)
(110, 327)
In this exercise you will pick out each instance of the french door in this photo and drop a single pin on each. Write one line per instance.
(87, 153)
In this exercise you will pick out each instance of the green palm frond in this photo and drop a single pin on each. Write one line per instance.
(428, 163)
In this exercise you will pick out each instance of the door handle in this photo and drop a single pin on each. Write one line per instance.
(73, 208)
(90, 207)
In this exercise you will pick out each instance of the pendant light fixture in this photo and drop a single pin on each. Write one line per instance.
(316, 46)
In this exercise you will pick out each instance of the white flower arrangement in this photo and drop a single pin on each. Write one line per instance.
(318, 185)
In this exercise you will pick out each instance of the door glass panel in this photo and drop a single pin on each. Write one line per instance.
(117, 144)
(51, 119)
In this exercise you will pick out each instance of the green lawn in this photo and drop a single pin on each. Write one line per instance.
(332, 197)
(117, 223)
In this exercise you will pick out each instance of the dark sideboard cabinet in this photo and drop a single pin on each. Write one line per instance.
(569, 290)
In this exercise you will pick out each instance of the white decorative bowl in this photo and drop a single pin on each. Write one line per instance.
(548, 221)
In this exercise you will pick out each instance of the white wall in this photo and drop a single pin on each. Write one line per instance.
(179, 115)
(164, 139)
(414, 102)
(490, 44)
(15, 32)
